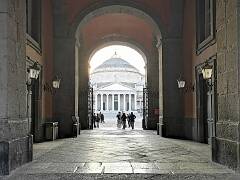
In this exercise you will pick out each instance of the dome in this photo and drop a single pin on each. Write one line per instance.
(115, 63)
(115, 70)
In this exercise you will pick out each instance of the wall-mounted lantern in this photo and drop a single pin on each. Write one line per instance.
(186, 87)
(51, 87)
(181, 83)
(207, 71)
(34, 71)
(56, 82)
(32, 74)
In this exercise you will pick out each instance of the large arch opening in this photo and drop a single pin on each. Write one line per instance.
(145, 33)
(117, 77)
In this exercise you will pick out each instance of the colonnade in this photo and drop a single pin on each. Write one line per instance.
(115, 102)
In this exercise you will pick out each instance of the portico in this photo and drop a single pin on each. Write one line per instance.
(107, 102)
(117, 86)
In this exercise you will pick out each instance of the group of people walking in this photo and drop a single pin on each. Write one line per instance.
(123, 118)
(97, 118)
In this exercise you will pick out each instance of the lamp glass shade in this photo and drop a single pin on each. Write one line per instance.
(207, 73)
(181, 84)
(56, 84)
(33, 73)
(37, 74)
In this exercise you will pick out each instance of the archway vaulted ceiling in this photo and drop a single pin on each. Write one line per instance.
(160, 8)
(117, 25)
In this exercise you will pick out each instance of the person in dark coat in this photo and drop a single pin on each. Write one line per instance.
(98, 120)
(101, 117)
(119, 120)
(124, 119)
(132, 118)
(94, 120)
(128, 119)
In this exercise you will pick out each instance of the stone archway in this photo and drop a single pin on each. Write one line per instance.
(168, 44)
(152, 79)
(117, 40)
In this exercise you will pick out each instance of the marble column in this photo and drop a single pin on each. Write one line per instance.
(124, 102)
(135, 102)
(107, 103)
(118, 102)
(112, 102)
(96, 99)
(130, 102)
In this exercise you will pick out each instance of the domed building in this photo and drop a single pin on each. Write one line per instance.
(117, 86)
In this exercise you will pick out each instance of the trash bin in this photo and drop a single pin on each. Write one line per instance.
(75, 127)
(51, 131)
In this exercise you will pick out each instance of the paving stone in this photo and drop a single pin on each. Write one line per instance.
(120, 167)
(90, 168)
(111, 151)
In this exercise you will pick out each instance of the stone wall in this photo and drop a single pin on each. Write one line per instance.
(15, 144)
(226, 145)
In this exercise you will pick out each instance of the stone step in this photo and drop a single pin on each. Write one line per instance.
(73, 176)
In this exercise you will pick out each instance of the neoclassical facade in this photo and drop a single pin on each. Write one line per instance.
(117, 86)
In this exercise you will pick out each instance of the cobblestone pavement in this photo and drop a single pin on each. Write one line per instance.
(111, 153)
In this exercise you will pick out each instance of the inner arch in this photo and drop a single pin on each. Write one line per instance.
(122, 9)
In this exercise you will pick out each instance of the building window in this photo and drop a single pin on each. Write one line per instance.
(33, 24)
(205, 24)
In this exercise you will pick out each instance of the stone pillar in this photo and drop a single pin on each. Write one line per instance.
(107, 103)
(112, 102)
(226, 144)
(118, 102)
(153, 80)
(15, 141)
(124, 102)
(130, 102)
(101, 102)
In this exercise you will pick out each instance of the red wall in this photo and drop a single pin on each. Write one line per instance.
(191, 59)
(47, 54)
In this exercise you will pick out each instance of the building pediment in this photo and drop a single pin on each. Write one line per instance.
(115, 87)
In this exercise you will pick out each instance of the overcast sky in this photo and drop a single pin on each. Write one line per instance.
(128, 54)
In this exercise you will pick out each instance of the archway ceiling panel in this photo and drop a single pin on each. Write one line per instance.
(161, 8)
(118, 24)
